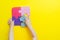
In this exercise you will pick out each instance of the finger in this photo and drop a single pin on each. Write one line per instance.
(27, 18)
(10, 20)
(13, 22)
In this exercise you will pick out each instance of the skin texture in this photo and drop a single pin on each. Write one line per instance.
(28, 24)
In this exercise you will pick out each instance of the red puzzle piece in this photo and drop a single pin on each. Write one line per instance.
(15, 12)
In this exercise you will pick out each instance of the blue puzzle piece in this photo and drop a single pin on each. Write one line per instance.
(23, 24)
(22, 18)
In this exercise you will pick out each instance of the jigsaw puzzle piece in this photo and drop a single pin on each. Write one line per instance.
(23, 24)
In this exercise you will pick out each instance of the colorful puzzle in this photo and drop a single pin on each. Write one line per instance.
(18, 15)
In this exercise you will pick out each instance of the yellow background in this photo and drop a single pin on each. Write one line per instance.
(45, 18)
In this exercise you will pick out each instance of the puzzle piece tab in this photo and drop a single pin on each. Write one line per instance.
(23, 24)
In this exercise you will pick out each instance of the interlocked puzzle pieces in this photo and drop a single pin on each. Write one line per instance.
(18, 15)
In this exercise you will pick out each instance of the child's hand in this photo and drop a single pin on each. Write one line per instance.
(11, 23)
(27, 21)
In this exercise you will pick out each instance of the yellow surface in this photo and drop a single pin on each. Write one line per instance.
(45, 18)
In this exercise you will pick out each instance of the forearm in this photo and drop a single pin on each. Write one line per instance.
(32, 31)
(11, 34)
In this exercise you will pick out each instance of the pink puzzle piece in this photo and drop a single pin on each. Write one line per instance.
(15, 12)
(25, 10)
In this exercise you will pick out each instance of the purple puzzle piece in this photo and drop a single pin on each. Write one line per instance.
(16, 21)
